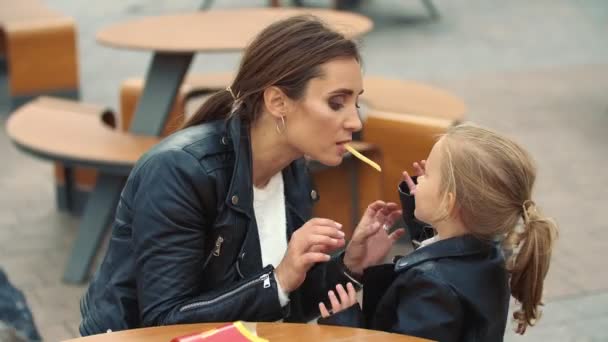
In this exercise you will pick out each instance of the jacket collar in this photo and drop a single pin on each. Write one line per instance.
(453, 247)
(240, 192)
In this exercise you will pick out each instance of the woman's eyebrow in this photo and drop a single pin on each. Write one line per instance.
(344, 91)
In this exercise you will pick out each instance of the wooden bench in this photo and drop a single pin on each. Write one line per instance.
(39, 48)
(66, 131)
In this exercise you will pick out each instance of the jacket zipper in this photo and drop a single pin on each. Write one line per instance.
(218, 246)
(265, 278)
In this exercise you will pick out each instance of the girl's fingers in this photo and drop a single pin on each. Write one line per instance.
(323, 310)
(335, 304)
(352, 294)
(344, 299)
(409, 181)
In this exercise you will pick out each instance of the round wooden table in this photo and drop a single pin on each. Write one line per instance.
(217, 30)
(273, 332)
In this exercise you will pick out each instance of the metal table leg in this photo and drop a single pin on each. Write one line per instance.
(164, 78)
(97, 217)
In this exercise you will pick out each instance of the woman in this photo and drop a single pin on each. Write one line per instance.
(214, 222)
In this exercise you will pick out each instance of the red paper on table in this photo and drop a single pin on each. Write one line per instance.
(233, 332)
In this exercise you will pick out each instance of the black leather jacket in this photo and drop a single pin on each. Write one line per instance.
(184, 245)
(451, 290)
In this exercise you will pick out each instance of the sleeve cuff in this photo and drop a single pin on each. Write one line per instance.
(355, 279)
(283, 296)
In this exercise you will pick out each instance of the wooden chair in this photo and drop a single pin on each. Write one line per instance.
(403, 139)
(39, 54)
(39, 46)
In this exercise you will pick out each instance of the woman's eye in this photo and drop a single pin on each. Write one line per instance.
(335, 105)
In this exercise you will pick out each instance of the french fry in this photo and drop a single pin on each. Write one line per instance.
(362, 157)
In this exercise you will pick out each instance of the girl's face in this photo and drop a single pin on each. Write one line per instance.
(429, 206)
(326, 117)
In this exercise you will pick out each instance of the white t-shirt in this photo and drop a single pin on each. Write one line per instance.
(270, 215)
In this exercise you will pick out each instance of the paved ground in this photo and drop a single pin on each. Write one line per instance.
(535, 70)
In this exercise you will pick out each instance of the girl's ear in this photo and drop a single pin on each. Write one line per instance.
(450, 205)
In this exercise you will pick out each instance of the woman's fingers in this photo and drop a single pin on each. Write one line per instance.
(374, 207)
(393, 217)
(397, 234)
(312, 258)
(315, 239)
(323, 310)
(317, 221)
(369, 231)
(325, 230)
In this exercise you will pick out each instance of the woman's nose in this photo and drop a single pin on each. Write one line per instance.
(353, 122)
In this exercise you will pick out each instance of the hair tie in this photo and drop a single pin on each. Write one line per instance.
(526, 206)
(229, 89)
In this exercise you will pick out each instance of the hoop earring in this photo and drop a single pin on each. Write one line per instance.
(283, 127)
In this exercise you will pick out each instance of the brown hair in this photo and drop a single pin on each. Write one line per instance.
(492, 179)
(286, 54)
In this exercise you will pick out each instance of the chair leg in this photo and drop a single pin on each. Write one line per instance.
(430, 7)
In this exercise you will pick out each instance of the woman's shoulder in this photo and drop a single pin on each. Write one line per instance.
(199, 140)
(194, 143)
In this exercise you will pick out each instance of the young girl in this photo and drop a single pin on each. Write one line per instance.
(474, 190)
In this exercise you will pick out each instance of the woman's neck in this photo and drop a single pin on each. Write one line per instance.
(270, 152)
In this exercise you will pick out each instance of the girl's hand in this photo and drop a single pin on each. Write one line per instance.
(347, 299)
(420, 168)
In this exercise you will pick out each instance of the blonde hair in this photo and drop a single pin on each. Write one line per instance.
(491, 178)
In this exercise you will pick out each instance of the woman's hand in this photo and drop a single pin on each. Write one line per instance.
(306, 248)
(347, 299)
(371, 240)
(420, 168)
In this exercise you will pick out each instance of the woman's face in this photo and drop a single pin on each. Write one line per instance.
(324, 119)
